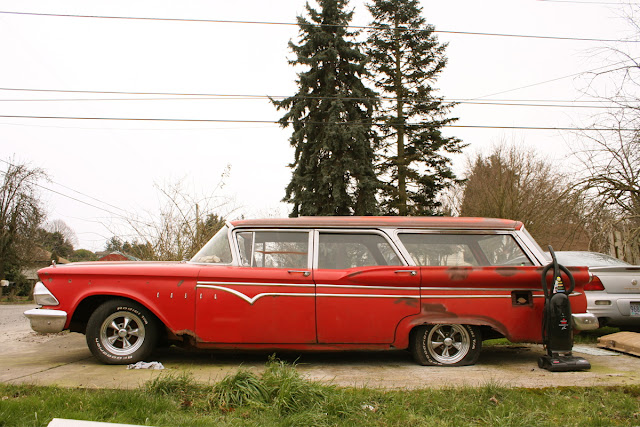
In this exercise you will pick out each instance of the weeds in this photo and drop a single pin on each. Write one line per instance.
(281, 396)
(240, 389)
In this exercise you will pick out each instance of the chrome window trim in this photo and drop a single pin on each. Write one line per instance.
(377, 231)
(534, 254)
(235, 249)
(513, 233)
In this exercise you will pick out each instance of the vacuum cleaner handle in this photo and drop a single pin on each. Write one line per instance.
(557, 268)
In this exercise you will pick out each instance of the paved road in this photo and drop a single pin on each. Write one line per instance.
(63, 359)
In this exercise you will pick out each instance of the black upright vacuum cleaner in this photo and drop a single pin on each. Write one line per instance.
(557, 329)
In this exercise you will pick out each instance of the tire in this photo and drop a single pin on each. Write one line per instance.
(120, 332)
(446, 345)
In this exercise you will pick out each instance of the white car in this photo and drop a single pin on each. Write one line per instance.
(614, 294)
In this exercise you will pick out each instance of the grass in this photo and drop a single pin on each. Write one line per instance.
(14, 299)
(584, 337)
(282, 397)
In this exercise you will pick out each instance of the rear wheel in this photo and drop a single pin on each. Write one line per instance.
(121, 332)
(446, 344)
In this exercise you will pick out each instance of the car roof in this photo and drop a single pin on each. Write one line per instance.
(439, 222)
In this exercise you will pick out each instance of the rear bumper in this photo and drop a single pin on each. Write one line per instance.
(613, 309)
(584, 321)
(46, 321)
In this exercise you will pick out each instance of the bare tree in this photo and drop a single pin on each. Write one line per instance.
(21, 214)
(514, 183)
(610, 161)
(609, 153)
(59, 226)
(183, 224)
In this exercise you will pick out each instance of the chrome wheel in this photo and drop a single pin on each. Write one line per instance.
(122, 333)
(448, 344)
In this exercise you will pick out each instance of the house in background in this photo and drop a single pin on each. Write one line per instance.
(42, 259)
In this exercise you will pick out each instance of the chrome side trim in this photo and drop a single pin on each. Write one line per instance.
(46, 321)
(368, 296)
(454, 288)
(405, 288)
(465, 296)
(257, 297)
(486, 296)
(297, 285)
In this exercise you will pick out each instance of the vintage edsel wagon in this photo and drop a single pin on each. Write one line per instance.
(436, 286)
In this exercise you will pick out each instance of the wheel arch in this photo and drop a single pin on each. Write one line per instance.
(90, 303)
(488, 327)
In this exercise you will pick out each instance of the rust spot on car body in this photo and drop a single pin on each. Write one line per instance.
(508, 271)
(430, 308)
(411, 302)
(459, 273)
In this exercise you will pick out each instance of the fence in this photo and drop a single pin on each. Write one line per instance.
(623, 246)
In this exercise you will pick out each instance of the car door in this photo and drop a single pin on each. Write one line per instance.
(483, 275)
(269, 298)
(363, 289)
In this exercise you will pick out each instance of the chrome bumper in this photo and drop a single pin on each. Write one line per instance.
(46, 321)
(585, 321)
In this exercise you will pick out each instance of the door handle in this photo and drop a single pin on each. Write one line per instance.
(411, 272)
(305, 273)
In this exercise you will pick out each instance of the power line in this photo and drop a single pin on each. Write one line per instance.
(156, 119)
(128, 217)
(239, 97)
(221, 96)
(75, 191)
(588, 2)
(357, 27)
(561, 78)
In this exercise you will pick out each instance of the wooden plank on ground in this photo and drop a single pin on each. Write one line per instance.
(626, 342)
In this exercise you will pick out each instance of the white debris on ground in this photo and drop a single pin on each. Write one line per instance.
(146, 365)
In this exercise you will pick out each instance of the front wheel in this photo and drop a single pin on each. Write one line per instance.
(121, 332)
(446, 344)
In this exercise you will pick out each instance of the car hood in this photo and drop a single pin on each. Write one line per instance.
(124, 268)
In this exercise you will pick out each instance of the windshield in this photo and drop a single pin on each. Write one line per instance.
(217, 250)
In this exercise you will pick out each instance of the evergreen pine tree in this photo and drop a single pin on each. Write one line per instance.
(406, 59)
(331, 113)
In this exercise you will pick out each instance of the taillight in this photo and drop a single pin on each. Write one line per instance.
(594, 285)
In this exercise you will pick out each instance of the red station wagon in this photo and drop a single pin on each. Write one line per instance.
(434, 285)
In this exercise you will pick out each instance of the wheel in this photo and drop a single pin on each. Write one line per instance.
(121, 332)
(446, 344)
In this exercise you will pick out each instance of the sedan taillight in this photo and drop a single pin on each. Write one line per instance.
(594, 285)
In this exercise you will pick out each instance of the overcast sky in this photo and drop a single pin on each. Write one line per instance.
(114, 165)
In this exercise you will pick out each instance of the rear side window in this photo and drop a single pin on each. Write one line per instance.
(464, 249)
(347, 250)
(273, 249)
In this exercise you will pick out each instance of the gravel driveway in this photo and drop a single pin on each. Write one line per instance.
(64, 359)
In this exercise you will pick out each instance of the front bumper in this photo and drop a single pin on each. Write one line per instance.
(46, 321)
(584, 321)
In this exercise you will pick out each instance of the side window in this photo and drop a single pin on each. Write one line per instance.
(217, 250)
(463, 249)
(346, 250)
(273, 249)
(503, 250)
